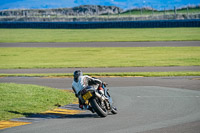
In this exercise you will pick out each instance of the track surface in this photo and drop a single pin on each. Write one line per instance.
(191, 83)
(145, 105)
(167, 104)
(106, 44)
(93, 70)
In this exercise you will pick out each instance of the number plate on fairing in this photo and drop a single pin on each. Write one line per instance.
(87, 95)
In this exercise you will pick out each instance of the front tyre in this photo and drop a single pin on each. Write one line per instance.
(98, 107)
(114, 110)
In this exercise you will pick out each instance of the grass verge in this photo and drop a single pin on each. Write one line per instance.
(119, 74)
(98, 57)
(99, 35)
(18, 100)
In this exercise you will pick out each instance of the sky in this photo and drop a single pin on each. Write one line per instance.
(124, 4)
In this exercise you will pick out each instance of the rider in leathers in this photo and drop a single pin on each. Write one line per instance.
(80, 82)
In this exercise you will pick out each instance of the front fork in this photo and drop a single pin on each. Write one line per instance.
(107, 95)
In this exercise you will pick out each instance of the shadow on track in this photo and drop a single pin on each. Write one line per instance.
(54, 116)
(80, 116)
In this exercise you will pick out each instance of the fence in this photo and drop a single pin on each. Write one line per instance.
(93, 25)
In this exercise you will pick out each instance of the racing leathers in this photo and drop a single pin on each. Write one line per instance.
(83, 82)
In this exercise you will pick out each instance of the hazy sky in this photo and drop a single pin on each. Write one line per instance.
(125, 4)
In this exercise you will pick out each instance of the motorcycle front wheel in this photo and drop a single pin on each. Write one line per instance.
(98, 107)
(114, 110)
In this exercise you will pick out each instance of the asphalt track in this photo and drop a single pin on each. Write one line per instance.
(107, 44)
(149, 105)
(145, 105)
(97, 70)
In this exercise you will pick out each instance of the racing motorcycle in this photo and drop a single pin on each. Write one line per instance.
(98, 99)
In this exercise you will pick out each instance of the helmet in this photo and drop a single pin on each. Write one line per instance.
(77, 74)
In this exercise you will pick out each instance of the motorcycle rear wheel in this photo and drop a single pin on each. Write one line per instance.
(96, 104)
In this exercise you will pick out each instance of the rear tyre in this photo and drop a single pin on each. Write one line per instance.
(98, 107)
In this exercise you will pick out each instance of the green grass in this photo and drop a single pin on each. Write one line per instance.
(18, 100)
(98, 57)
(99, 35)
(119, 74)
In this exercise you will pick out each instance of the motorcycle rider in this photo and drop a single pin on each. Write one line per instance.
(82, 81)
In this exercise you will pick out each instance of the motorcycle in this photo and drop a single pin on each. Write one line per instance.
(98, 99)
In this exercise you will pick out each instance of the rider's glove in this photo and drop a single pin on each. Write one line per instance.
(105, 84)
